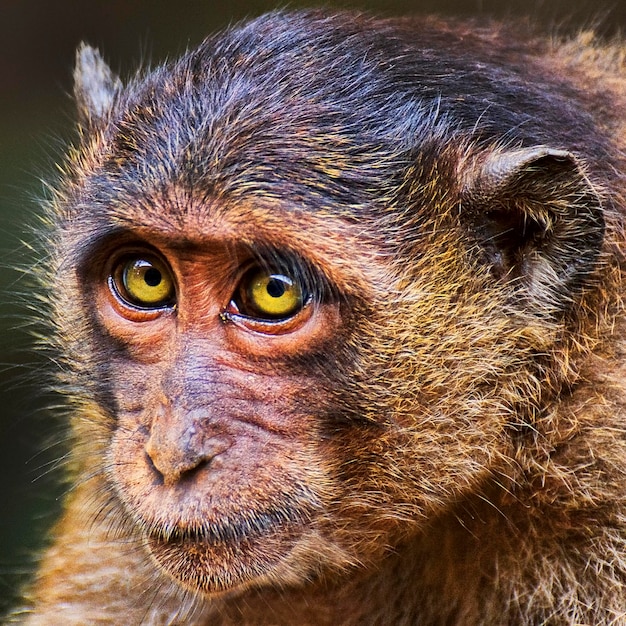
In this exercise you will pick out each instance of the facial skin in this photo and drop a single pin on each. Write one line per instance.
(217, 432)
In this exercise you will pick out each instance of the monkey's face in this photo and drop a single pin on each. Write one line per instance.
(226, 354)
(214, 450)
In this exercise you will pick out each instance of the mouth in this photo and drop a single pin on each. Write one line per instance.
(214, 558)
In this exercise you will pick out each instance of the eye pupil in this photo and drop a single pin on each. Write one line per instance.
(276, 288)
(152, 277)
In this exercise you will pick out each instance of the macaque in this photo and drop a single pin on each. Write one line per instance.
(338, 308)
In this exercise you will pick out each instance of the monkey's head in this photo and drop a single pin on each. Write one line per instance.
(314, 283)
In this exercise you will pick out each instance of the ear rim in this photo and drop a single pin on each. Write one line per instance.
(537, 220)
(502, 168)
(96, 86)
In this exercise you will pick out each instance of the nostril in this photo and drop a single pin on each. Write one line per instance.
(158, 476)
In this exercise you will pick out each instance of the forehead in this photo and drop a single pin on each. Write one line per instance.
(180, 215)
(245, 154)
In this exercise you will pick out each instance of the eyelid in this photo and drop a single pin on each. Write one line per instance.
(265, 326)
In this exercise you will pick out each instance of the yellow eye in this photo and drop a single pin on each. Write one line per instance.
(144, 281)
(266, 295)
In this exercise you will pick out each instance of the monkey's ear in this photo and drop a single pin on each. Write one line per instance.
(537, 220)
(95, 86)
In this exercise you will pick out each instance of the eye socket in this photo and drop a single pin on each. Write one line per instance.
(143, 281)
(268, 295)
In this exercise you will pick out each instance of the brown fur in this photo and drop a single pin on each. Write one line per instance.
(439, 436)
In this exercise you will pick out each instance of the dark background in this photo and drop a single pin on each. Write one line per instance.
(37, 43)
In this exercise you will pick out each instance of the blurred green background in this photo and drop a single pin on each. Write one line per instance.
(37, 43)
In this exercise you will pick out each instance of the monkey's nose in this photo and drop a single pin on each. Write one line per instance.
(173, 461)
(177, 453)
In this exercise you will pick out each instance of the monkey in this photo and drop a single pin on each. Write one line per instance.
(338, 307)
